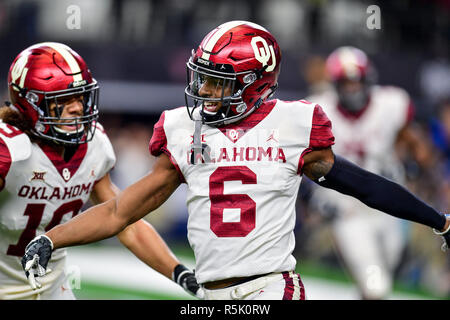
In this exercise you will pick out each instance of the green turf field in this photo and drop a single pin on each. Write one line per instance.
(113, 273)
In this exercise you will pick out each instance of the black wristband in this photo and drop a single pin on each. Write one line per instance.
(178, 271)
(380, 193)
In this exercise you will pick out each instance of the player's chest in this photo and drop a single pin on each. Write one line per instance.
(236, 146)
(373, 126)
(258, 158)
(43, 177)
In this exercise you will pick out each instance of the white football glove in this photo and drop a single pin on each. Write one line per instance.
(186, 279)
(35, 260)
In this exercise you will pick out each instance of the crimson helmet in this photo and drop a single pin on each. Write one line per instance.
(239, 55)
(351, 64)
(51, 72)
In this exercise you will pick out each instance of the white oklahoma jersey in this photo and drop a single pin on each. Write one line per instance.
(41, 191)
(369, 241)
(368, 138)
(241, 203)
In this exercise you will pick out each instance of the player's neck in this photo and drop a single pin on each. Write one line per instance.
(66, 152)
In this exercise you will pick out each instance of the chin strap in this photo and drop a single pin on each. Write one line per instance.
(200, 152)
(197, 150)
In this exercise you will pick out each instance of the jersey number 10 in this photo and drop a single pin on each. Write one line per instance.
(35, 212)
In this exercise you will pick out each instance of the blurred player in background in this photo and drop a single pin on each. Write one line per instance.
(54, 155)
(369, 121)
(242, 157)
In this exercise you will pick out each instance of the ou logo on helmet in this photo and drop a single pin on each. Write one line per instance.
(264, 53)
(19, 71)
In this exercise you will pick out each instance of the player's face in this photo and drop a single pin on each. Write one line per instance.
(350, 86)
(67, 108)
(353, 95)
(212, 87)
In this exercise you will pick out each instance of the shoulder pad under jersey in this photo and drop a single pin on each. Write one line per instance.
(18, 143)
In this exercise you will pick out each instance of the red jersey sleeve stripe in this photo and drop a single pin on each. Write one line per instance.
(159, 139)
(321, 135)
(5, 160)
(410, 112)
(158, 144)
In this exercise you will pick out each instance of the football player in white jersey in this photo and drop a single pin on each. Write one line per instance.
(242, 157)
(54, 155)
(369, 121)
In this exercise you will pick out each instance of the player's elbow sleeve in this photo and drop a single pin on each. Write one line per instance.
(379, 193)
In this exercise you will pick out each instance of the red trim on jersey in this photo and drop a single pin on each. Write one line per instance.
(241, 127)
(59, 162)
(158, 139)
(353, 115)
(321, 135)
(289, 288)
(410, 113)
(158, 144)
(99, 127)
(5, 161)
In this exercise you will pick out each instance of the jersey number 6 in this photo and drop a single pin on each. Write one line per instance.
(221, 201)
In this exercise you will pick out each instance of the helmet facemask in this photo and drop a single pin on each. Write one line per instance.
(353, 100)
(49, 123)
(233, 107)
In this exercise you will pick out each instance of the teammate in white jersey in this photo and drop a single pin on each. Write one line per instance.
(53, 157)
(242, 157)
(369, 122)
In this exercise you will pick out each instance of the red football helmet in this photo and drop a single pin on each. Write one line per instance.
(238, 55)
(51, 72)
(351, 65)
(347, 63)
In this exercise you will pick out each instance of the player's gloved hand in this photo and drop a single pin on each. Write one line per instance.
(186, 279)
(35, 260)
(445, 234)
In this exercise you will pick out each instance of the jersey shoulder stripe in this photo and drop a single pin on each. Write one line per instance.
(17, 142)
(158, 141)
(5, 159)
(321, 133)
(14, 146)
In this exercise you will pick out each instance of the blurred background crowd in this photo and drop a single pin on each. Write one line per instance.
(137, 50)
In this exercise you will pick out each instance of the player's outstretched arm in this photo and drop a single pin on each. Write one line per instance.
(139, 237)
(104, 220)
(109, 218)
(336, 173)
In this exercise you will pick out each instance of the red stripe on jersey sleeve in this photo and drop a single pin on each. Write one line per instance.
(410, 113)
(158, 144)
(159, 139)
(321, 135)
(5, 160)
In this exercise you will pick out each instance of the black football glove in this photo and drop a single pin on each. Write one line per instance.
(35, 260)
(186, 279)
(446, 235)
